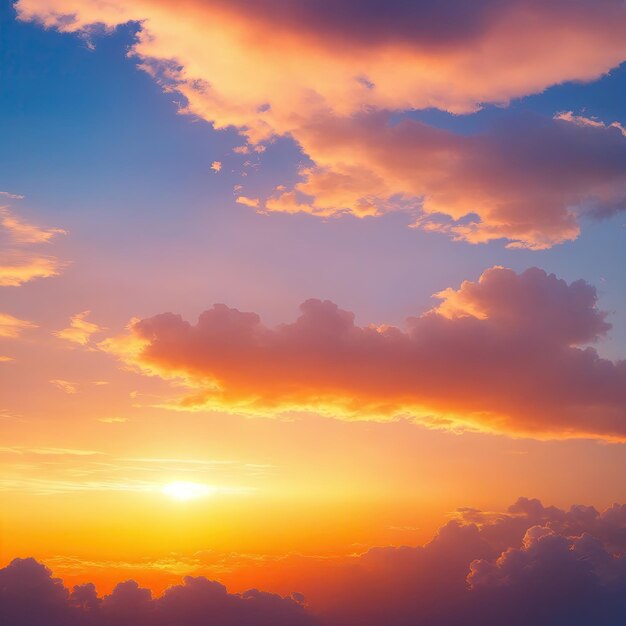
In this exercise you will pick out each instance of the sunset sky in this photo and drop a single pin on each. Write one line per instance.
(286, 285)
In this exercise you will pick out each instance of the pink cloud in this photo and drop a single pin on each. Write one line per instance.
(504, 354)
(326, 78)
(526, 180)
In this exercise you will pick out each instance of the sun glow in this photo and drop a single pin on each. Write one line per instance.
(184, 491)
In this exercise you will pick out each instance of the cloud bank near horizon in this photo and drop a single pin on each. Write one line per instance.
(530, 564)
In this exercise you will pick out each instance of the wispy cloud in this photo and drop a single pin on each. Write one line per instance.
(65, 386)
(12, 327)
(22, 232)
(21, 259)
(48, 451)
(79, 330)
(113, 420)
(246, 201)
(11, 196)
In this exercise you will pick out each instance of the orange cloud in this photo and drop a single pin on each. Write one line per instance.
(19, 263)
(526, 180)
(12, 327)
(256, 66)
(251, 202)
(516, 567)
(23, 232)
(80, 329)
(305, 70)
(502, 354)
(20, 269)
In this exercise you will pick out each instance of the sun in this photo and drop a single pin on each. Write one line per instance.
(184, 491)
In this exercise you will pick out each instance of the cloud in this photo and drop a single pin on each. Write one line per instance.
(331, 79)
(65, 386)
(216, 166)
(11, 196)
(529, 565)
(48, 451)
(259, 67)
(19, 262)
(23, 232)
(481, 568)
(112, 420)
(12, 327)
(251, 202)
(80, 329)
(526, 179)
(17, 269)
(506, 353)
(29, 595)
(549, 577)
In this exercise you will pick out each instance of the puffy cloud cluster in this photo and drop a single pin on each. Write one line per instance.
(260, 65)
(330, 77)
(503, 354)
(30, 596)
(530, 565)
(523, 568)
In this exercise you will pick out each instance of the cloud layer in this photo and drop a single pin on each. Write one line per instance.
(527, 179)
(504, 354)
(330, 79)
(530, 565)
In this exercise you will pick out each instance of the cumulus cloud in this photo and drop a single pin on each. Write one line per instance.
(529, 565)
(30, 596)
(330, 79)
(548, 576)
(506, 353)
(257, 66)
(80, 329)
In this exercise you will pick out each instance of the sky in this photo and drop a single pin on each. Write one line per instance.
(304, 296)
